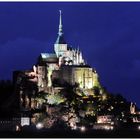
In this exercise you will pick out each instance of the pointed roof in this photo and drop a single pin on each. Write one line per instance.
(60, 38)
(60, 32)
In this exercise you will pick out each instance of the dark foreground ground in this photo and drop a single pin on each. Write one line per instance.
(73, 134)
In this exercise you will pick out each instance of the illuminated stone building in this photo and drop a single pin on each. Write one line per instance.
(54, 70)
(66, 65)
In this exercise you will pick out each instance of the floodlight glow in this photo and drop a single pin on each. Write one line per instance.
(83, 129)
(17, 128)
(39, 126)
(109, 127)
(139, 127)
(106, 128)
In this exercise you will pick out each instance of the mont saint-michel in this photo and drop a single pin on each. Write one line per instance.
(61, 95)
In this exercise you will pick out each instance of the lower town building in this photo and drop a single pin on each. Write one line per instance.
(106, 122)
(14, 123)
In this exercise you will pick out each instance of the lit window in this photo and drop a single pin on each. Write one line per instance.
(25, 121)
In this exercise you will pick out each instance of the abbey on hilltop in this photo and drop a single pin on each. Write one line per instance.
(62, 88)
(55, 71)
(65, 65)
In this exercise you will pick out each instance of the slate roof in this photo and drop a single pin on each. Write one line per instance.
(60, 40)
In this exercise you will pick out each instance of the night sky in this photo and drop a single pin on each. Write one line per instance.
(107, 33)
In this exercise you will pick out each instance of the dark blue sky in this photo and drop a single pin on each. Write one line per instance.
(107, 33)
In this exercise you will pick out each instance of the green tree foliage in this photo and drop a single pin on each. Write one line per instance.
(100, 103)
(55, 99)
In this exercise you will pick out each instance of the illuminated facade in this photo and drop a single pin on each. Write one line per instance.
(66, 65)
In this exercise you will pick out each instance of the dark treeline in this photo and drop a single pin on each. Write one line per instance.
(6, 96)
(6, 90)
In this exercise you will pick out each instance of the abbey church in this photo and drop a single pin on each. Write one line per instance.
(53, 71)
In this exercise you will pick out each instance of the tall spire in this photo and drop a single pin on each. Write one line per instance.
(60, 23)
(60, 38)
